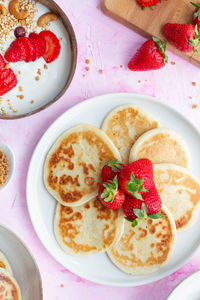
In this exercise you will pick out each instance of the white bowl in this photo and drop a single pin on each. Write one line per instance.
(9, 153)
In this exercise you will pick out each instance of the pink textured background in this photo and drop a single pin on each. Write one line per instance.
(108, 45)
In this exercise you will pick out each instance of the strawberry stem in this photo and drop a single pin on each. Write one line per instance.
(162, 48)
(110, 190)
(115, 165)
(195, 41)
(135, 186)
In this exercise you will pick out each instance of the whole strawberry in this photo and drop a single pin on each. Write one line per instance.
(110, 195)
(136, 210)
(184, 37)
(148, 3)
(111, 169)
(151, 56)
(136, 178)
(197, 15)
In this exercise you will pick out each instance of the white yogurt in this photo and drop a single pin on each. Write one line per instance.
(52, 80)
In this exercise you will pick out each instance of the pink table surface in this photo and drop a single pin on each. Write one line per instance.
(108, 45)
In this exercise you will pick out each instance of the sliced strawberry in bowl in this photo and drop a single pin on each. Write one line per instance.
(21, 44)
(39, 42)
(2, 62)
(12, 54)
(8, 83)
(4, 74)
(52, 46)
(30, 50)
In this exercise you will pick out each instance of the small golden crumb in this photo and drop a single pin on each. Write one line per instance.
(139, 81)
(101, 71)
(3, 111)
(146, 80)
(60, 39)
(20, 88)
(190, 97)
(121, 66)
(10, 107)
(83, 75)
(62, 285)
(15, 110)
(98, 6)
(7, 66)
(20, 96)
(173, 63)
(194, 106)
(37, 78)
(87, 61)
(194, 83)
(87, 68)
(39, 71)
(19, 72)
(32, 101)
(45, 66)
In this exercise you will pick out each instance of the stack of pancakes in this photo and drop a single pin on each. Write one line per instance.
(72, 175)
(9, 288)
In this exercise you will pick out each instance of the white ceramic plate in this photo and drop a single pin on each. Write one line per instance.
(22, 264)
(41, 205)
(187, 289)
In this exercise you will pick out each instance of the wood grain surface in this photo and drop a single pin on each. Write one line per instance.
(150, 22)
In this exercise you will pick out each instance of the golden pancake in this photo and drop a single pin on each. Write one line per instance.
(179, 191)
(9, 288)
(125, 124)
(145, 248)
(87, 229)
(4, 264)
(72, 170)
(161, 145)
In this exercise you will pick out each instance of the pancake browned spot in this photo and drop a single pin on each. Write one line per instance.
(73, 165)
(125, 124)
(9, 289)
(87, 229)
(161, 145)
(179, 191)
(146, 247)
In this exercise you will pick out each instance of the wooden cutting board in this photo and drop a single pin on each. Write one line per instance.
(150, 22)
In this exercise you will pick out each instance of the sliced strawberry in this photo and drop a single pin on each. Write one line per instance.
(7, 88)
(2, 62)
(31, 50)
(12, 54)
(39, 42)
(4, 74)
(36, 48)
(52, 46)
(6, 81)
(21, 44)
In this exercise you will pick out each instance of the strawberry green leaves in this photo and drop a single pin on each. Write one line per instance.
(135, 186)
(162, 48)
(110, 190)
(194, 41)
(141, 214)
(115, 165)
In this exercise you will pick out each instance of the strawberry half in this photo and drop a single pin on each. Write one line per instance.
(151, 56)
(52, 46)
(2, 63)
(197, 15)
(136, 178)
(148, 3)
(136, 210)
(12, 54)
(110, 195)
(184, 37)
(39, 42)
(111, 169)
(21, 44)
(7, 83)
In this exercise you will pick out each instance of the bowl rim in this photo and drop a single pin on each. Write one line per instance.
(30, 253)
(53, 6)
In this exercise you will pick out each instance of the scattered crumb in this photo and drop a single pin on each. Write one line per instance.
(194, 106)
(98, 6)
(10, 107)
(190, 97)
(7, 66)
(87, 68)
(20, 88)
(39, 71)
(45, 66)
(87, 61)
(83, 75)
(101, 71)
(8, 100)
(146, 80)
(19, 72)
(173, 63)
(121, 66)
(20, 96)
(37, 78)
(62, 285)
(32, 101)
(139, 81)
(194, 83)
(60, 39)
(15, 110)
(3, 111)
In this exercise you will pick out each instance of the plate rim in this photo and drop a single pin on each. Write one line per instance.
(52, 251)
(53, 6)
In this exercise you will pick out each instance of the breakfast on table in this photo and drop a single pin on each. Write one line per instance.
(124, 188)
